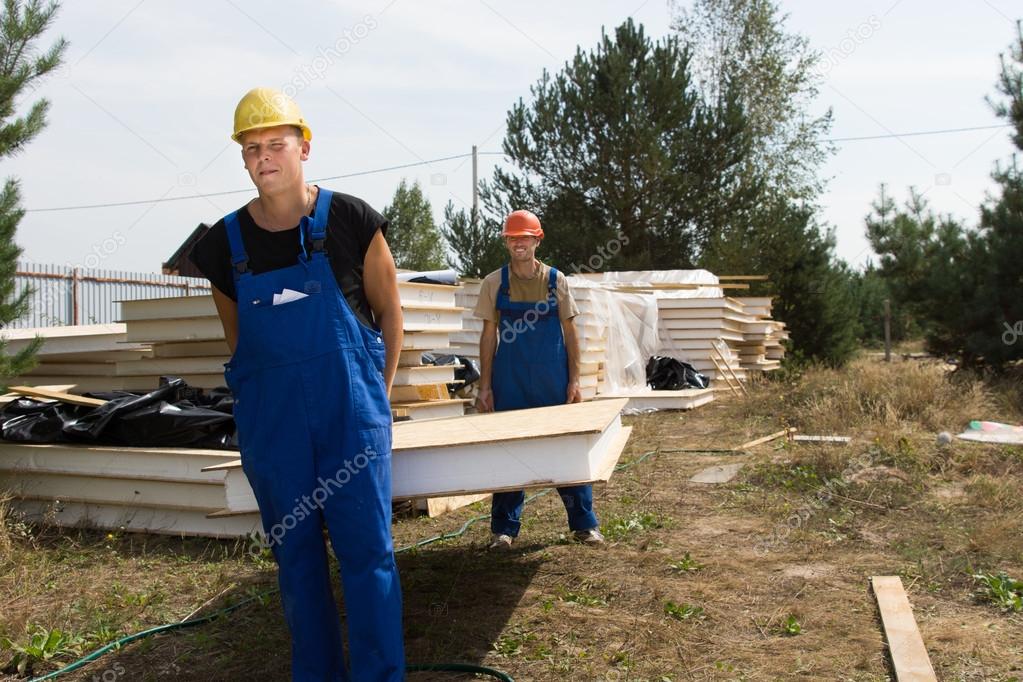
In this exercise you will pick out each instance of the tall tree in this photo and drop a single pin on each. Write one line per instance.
(21, 65)
(1000, 300)
(747, 42)
(965, 285)
(474, 243)
(618, 147)
(413, 237)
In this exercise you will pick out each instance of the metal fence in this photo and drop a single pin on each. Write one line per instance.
(64, 295)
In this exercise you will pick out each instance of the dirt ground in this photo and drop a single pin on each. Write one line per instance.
(763, 577)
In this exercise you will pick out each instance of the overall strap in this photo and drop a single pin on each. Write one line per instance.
(239, 259)
(504, 281)
(318, 232)
(552, 283)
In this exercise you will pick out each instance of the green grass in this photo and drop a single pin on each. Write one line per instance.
(1001, 590)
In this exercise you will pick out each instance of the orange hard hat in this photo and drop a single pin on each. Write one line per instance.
(522, 224)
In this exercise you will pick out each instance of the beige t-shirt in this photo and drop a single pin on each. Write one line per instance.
(524, 290)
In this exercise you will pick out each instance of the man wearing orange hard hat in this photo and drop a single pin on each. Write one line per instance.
(529, 357)
(304, 283)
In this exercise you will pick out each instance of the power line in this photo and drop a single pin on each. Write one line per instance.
(164, 200)
(190, 197)
(919, 132)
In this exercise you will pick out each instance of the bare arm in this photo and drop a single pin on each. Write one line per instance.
(488, 346)
(382, 292)
(228, 312)
(572, 347)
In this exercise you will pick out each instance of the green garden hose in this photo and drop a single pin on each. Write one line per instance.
(450, 667)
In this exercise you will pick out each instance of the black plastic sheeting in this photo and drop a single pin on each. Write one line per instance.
(467, 374)
(174, 415)
(669, 374)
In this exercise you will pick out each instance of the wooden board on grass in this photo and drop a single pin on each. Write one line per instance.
(906, 646)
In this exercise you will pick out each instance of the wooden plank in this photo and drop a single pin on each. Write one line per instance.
(186, 329)
(424, 374)
(95, 369)
(10, 397)
(435, 506)
(190, 349)
(766, 439)
(170, 464)
(432, 409)
(134, 519)
(177, 366)
(427, 339)
(721, 373)
(477, 468)
(406, 394)
(822, 439)
(204, 497)
(905, 645)
(39, 392)
(84, 338)
(728, 367)
(427, 295)
(173, 307)
(686, 399)
(578, 418)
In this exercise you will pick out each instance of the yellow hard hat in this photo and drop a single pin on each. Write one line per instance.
(266, 108)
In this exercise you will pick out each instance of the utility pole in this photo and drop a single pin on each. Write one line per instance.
(475, 183)
(887, 330)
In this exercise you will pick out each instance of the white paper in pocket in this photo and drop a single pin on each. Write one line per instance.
(287, 296)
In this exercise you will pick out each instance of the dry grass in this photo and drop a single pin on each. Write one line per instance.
(912, 394)
(765, 549)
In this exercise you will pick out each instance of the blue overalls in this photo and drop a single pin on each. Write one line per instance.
(531, 370)
(314, 426)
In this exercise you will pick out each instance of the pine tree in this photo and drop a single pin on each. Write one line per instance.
(746, 42)
(619, 148)
(965, 286)
(1000, 299)
(21, 25)
(413, 237)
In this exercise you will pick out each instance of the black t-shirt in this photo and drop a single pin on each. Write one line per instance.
(351, 226)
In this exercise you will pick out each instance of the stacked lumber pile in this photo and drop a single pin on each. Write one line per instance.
(467, 341)
(431, 316)
(185, 337)
(761, 346)
(182, 336)
(693, 329)
(85, 355)
(189, 491)
(591, 330)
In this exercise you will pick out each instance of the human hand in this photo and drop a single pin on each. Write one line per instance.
(574, 394)
(485, 400)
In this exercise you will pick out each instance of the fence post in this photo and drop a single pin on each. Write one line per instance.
(74, 296)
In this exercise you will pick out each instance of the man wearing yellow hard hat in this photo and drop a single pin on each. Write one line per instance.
(305, 287)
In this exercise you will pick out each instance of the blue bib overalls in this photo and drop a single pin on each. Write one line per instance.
(314, 426)
(531, 370)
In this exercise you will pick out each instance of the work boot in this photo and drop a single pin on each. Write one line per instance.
(589, 537)
(500, 542)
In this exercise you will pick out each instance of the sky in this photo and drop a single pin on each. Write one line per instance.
(142, 108)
